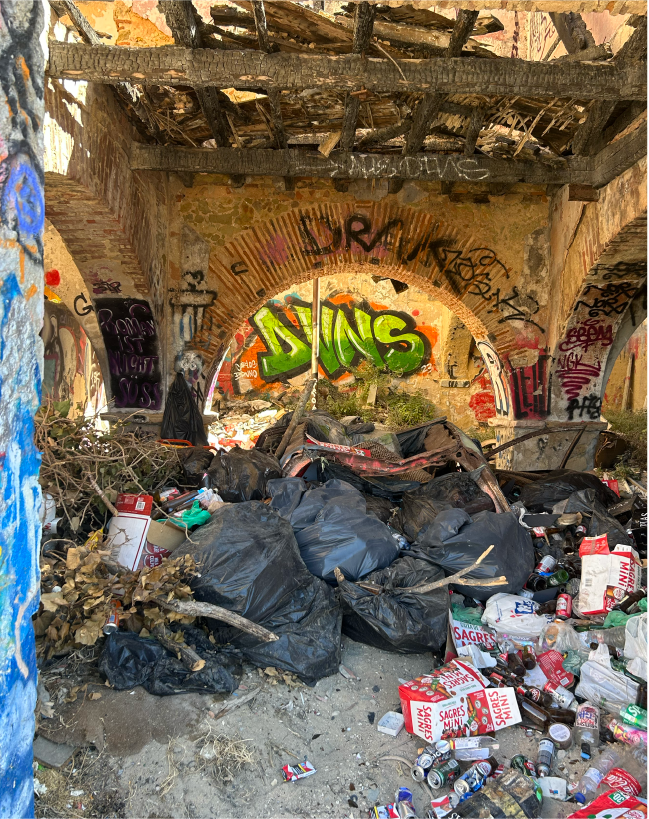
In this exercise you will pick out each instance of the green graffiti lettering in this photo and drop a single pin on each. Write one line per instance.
(286, 350)
(406, 350)
(347, 343)
(386, 339)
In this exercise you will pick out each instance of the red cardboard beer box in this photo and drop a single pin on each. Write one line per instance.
(455, 701)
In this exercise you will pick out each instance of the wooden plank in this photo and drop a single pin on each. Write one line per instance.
(615, 158)
(590, 131)
(635, 48)
(473, 130)
(181, 19)
(174, 65)
(572, 30)
(364, 14)
(429, 106)
(296, 162)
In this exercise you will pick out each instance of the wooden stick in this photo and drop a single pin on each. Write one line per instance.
(193, 608)
(235, 702)
(187, 656)
(101, 493)
(438, 584)
(297, 414)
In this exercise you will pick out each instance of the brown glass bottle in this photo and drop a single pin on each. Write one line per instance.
(514, 664)
(536, 583)
(529, 658)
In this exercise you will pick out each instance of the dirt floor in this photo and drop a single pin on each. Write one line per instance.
(146, 756)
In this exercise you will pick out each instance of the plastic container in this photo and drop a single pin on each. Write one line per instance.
(587, 721)
(590, 781)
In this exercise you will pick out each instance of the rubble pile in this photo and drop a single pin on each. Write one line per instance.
(528, 590)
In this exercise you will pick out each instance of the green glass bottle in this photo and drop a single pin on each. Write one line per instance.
(558, 578)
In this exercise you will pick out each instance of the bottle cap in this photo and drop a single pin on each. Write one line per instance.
(579, 797)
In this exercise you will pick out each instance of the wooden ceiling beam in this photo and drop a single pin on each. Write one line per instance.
(429, 106)
(252, 70)
(181, 19)
(296, 162)
(364, 14)
(572, 30)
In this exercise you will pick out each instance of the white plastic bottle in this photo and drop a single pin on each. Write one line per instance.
(590, 781)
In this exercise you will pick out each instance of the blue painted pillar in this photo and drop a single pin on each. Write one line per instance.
(22, 212)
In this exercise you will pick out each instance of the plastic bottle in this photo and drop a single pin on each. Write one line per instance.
(472, 749)
(634, 737)
(589, 783)
(587, 720)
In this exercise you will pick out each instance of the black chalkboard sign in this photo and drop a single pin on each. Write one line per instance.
(131, 340)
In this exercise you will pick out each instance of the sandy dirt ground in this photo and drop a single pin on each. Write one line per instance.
(167, 756)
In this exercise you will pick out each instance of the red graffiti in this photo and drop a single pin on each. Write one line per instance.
(53, 278)
(483, 405)
(575, 374)
(591, 332)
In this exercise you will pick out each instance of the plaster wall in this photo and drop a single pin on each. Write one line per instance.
(636, 347)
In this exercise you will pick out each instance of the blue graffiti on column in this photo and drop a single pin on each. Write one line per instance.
(20, 383)
(24, 198)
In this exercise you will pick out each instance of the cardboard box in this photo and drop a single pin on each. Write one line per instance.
(128, 529)
(162, 538)
(607, 578)
(465, 634)
(455, 701)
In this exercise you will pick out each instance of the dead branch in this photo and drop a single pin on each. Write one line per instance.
(193, 608)
(187, 656)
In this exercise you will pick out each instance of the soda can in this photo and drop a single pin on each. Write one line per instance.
(546, 565)
(403, 803)
(444, 774)
(441, 752)
(423, 764)
(564, 607)
(473, 779)
(524, 765)
(112, 621)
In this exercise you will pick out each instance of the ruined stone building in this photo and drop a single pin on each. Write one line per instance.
(468, 181)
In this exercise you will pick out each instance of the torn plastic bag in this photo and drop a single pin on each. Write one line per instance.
(515, 616)
(635, 645)
(341, 533)
(242, 474)
(250, 563)
(182, 418)
(596, 518)
(286, 494)
(604, 686)
(543, 495)
(381, 487)
(381, 508)
(512, 555)
(195, 461)
(394, 620)
(412, 440)
(128, 660)
(456, 490)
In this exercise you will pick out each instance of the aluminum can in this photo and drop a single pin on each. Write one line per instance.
(423, 764)
(112, 621)
(473, 779)
(444, 774)
(441, 752)
(546, 564)
(403, 803)
(564, 607)
(524, 765)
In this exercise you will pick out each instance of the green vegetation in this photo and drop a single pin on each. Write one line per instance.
(394, 408)
(633, 428)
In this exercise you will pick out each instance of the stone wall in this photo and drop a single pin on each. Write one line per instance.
(21, 361)
(636, 348)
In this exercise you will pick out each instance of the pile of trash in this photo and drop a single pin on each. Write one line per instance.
(526, 588)
(243, 424)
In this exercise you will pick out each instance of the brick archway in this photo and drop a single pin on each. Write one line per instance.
(386, 240)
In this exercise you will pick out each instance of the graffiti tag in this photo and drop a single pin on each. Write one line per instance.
(575, 374)
(497, 374)
(610, 300)
(590, 407)
(587, 334)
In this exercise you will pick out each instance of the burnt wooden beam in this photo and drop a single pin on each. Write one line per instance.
(252, 70)
(473, 130)
(429, 106)
(620, 124)
(589, 132)
(364, 14)
(635, 48)
(343, 165)
(615, 158)
(181, 19)
(572, 30)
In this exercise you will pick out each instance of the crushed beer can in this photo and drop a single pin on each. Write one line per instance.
(403, 803)
(443, 805)
(523, 764)
(472, 780)
(291, 773)
(383, 812)
(444, 774)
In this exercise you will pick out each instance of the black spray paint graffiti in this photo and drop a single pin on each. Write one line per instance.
(129, 332)
(590, 407)
(87, 308)
(531, 393)
(610, 300)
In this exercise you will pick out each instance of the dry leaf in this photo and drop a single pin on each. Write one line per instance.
(52, 601)
(88, 634)
(95, 696)
(73, 558)
(145, 633)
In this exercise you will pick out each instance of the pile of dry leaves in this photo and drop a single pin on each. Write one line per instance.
(82, 587)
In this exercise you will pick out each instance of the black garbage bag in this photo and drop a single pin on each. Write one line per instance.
(596, 519)
(249, 563)
(412, 440)
(456, 490)
(196, 461)
(542, 496)
(395, 620)
(182, 418)
(379, 507)
(286, 494)
(243, 474)
(377, 485)
(332, 528)
(455, 541)
(128, 660)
